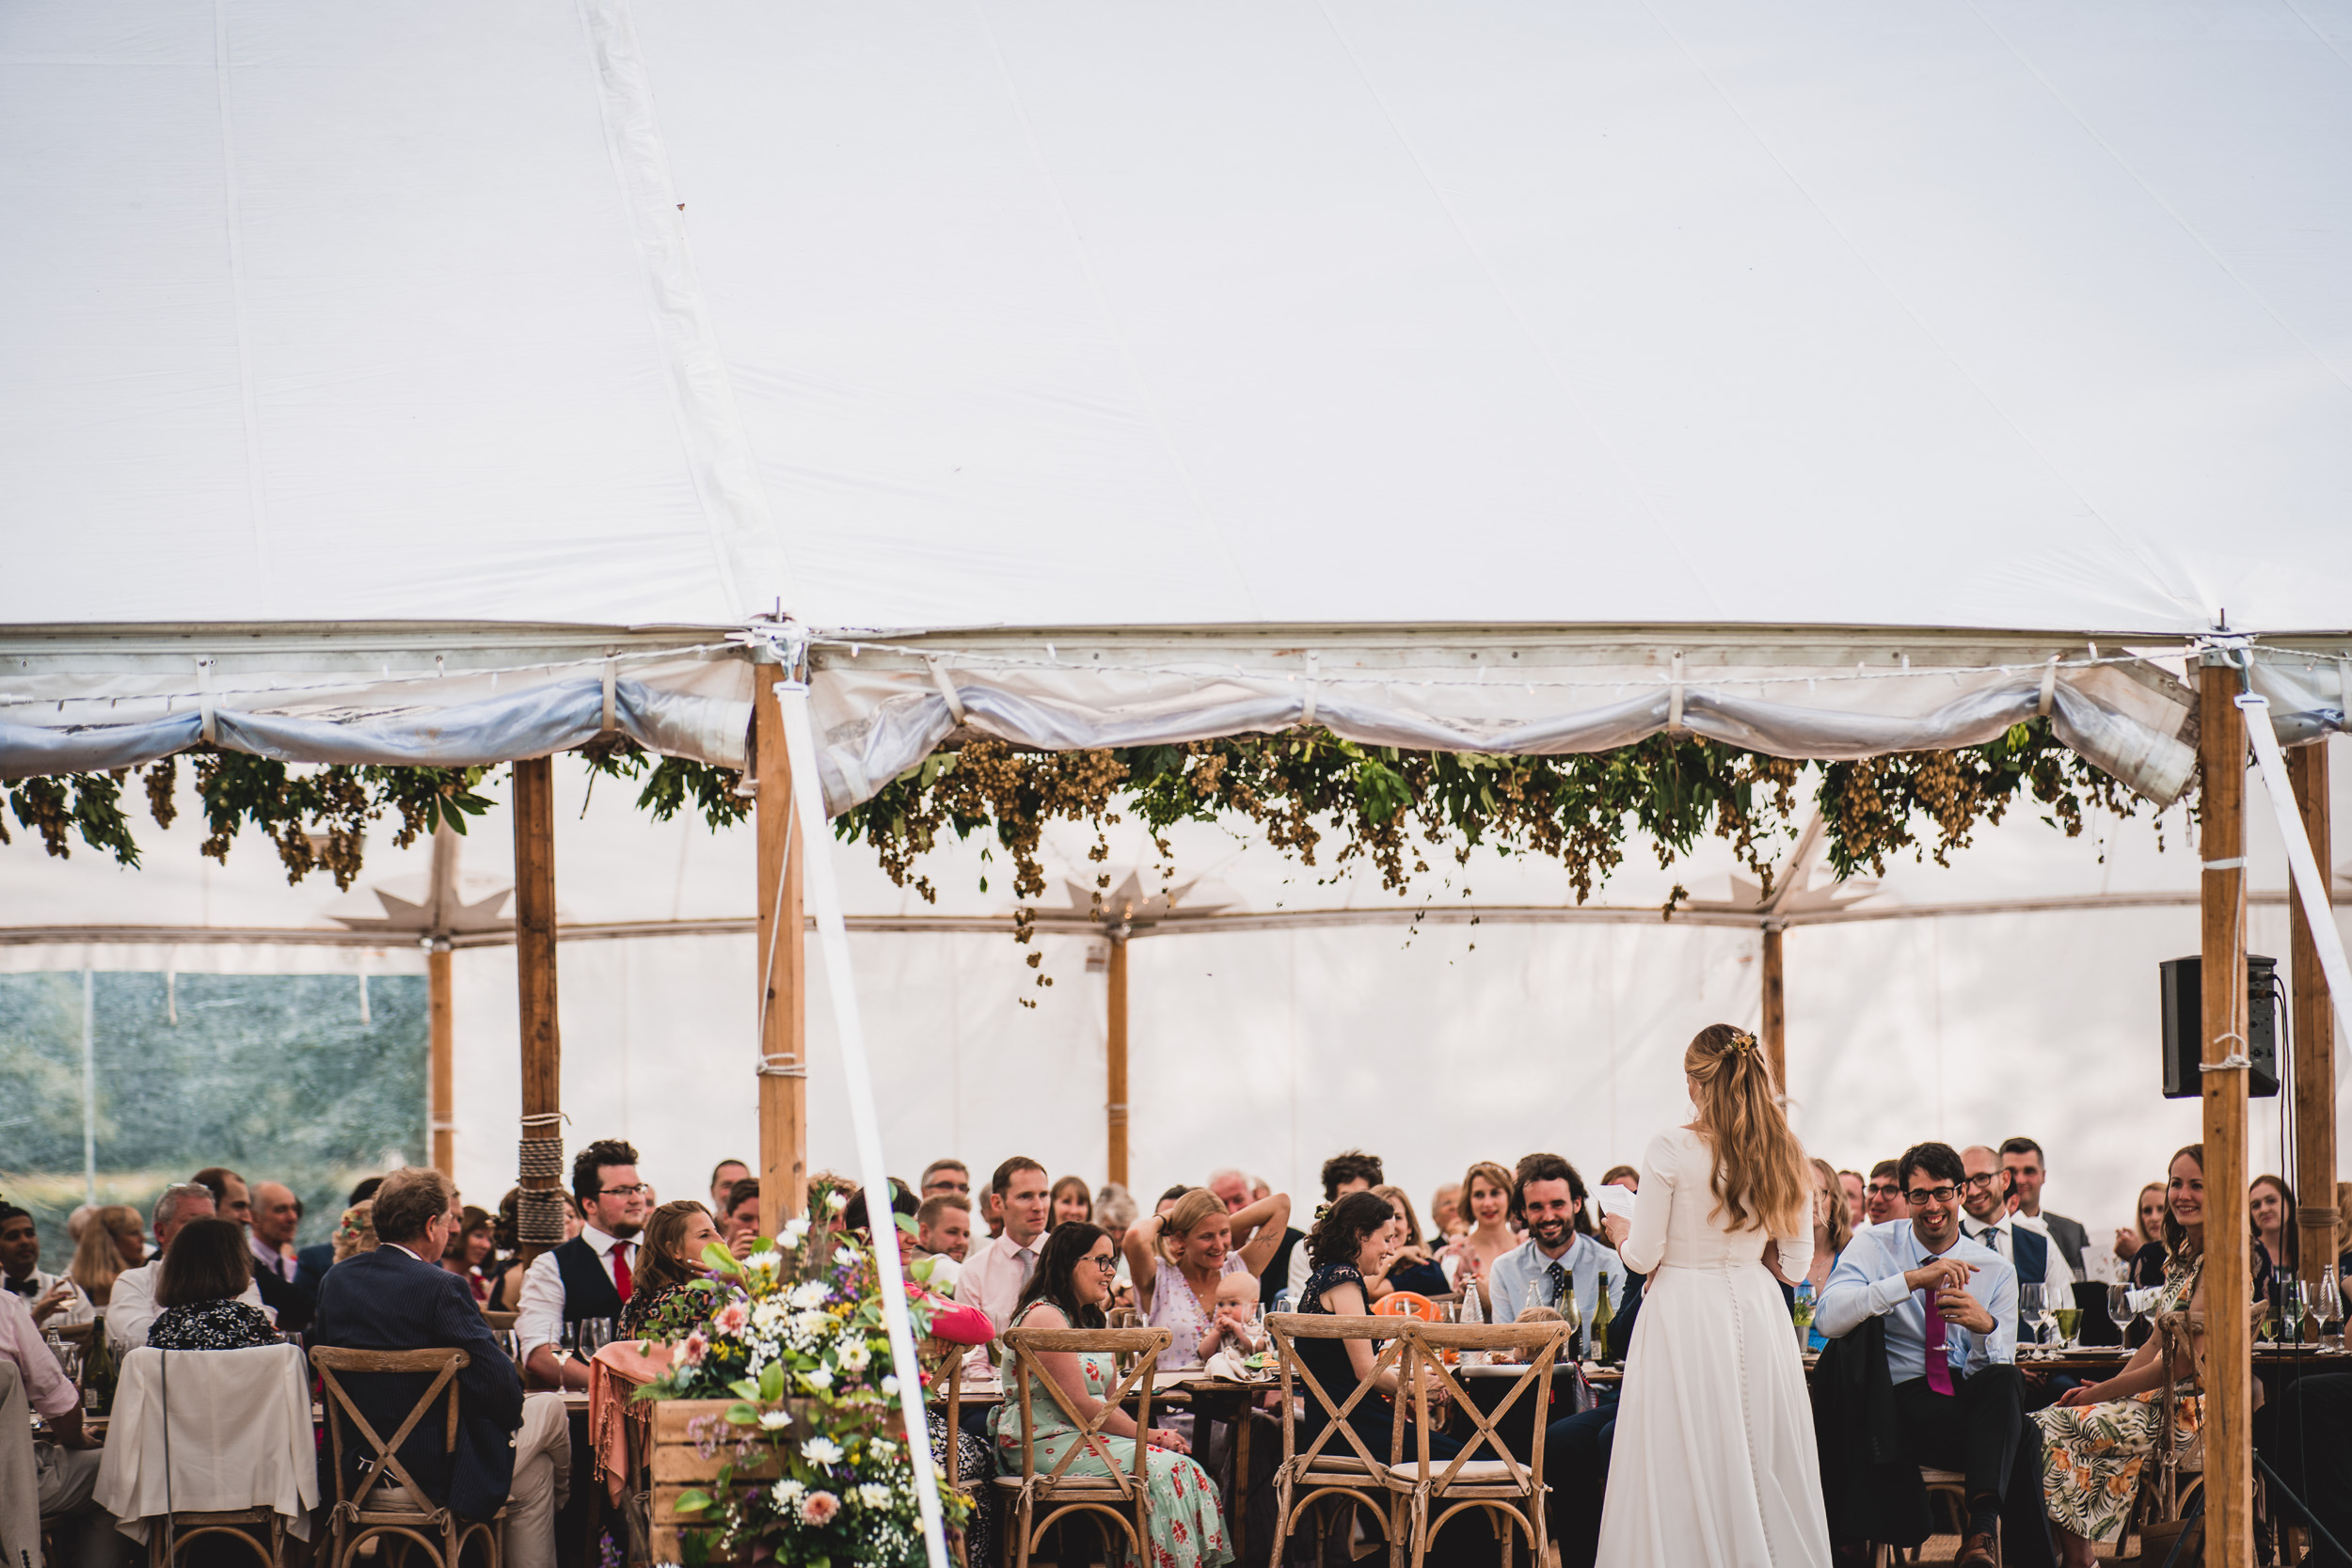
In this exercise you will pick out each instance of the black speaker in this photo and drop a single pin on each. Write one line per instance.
(2185, 1026)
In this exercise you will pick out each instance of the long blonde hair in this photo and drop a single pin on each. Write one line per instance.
(1197, 1204)
(97, 1260)
(1760, 1179)
(1840, 1224)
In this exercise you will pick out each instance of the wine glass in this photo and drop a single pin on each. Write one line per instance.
(1801, 1311)
(2069, 1318)
(2120, 1309)
(2033, 1305)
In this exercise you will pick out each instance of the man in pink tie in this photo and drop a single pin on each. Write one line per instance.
(1947, 1311)
(589, 1277)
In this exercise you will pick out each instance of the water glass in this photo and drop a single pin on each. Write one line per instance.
(2329, 1310)
(1801, 1313)
(2295, 1303)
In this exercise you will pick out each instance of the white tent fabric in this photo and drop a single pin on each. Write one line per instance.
(2012, 992)
(1644, 315)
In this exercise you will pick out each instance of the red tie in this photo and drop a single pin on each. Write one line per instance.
(620, 1268)
(1939, 1365)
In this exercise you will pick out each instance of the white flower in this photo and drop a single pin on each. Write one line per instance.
(795, 1232)
(875, 1498)
(854, 1356)
(762, 1262)
(844, 1256)
(775, 1420)
(880, 1448)
(811, 1325)
(836, 1200)
(807, 1294)
(890, 1385)
(787, 1493)
(817, 1378)
(822, 1451)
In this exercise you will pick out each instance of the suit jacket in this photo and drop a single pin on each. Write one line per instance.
(2072, 1238)
(388, 1300)
(295, 1306)
(1869, 1489)
(310, 1266)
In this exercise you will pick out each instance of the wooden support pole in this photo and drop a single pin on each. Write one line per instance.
(781, 976)
(2229, 1334)
(534, 963)
(1775, 1010)
(443, 1108)
(2314, 1036)
(1115, 1062)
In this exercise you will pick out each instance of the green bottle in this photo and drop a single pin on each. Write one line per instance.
(101, 1370)
(1599, 1343)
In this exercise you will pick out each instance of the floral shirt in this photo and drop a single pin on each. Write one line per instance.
(212, 1325)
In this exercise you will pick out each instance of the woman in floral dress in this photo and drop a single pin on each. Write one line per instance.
(2096, 1440)
(1069, 1290)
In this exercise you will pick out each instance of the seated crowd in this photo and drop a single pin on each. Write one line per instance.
(1914, 1283)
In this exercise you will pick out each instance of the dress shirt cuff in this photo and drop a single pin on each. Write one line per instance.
(1888, 1294)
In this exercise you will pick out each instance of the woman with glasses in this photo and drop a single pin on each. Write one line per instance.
(1070, 1289)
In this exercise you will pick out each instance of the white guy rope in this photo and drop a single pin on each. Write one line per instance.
(824, 897)
(2310, 885)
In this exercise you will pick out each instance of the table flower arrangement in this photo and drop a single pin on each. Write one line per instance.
(793, 1337)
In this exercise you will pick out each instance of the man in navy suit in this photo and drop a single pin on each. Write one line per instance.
(512, 1449)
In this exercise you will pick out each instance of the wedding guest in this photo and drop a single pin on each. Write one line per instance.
(854, 1216)
(1350, 1244)
(950, 1176)
(276, 1214)
(724, 1175)
(1071, 1201)
(1167, 1199)
(311, 1263)
(112, 1242)
(591, 1276)
(741, 1225)
(131, 1307)
(942, 1233)
(1351, 1171)
(1956, 1396)
(2270, 1215)
(996, 1271)
(1486, 1202)
(2028, 1169)
(2098, 1437)
(513, 1448)
(676, 1235)
(1410, 1267)
(1831, 1232)
(1623, 1176)
(232, 1199)
(2140, 1246)
(1562, 1254)
(1857, 1190)
(468, 1247)
(45, 1295)
(205, 1271)
(1115, 1211)
(1069, 1288)
(1986, 1219)
(64, 1471)
(1446, 1221)
(1176, 1260)
(354, 1232)
(1884, 1202)
(506, 1268)
(1232, 1188)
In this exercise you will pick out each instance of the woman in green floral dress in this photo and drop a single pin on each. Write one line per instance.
(2096, 1440)
(1070, 1289)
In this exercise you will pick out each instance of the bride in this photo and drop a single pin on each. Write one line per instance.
(1714, 1462)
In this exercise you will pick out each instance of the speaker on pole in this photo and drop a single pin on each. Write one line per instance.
(2185, 1026)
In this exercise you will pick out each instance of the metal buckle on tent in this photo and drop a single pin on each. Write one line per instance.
(208, 726)
(947, 687)
(2049, 686)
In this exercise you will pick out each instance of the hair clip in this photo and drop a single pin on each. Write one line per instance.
(1320, 1209)
(1744, 1042)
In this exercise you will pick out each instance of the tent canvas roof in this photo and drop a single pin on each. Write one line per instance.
(1997, 315)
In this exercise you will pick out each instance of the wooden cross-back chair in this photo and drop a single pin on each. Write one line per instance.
(1123, 1495)
(386, 1503)
(1509, 1492)
(1337, 1463)
(942, 1384)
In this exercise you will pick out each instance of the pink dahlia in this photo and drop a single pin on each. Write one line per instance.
(819, 1508)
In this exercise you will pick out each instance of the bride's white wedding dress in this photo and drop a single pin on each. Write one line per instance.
(1713, 1464)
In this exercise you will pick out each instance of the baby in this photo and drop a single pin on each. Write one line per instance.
(1236, 1301)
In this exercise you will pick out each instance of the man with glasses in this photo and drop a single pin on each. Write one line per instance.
(1987, 1219)
(590, 1276)
(1883, 1200)
(1947, 1307)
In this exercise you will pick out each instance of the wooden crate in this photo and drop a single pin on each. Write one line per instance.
(678, 1465)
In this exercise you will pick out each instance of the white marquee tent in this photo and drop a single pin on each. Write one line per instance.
(419, 382)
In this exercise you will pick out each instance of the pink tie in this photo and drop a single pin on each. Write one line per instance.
(1939, 1365)
(621, 1282)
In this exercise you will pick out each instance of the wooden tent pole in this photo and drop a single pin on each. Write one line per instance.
(1775, 1009)
(2314, 1035)
(443, 1107)
(534, 966)
(782, 975)
(1115, 1061)
(2229, 1335)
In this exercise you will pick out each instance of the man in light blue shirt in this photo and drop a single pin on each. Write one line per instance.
(1949, 1307)
(1558, 1254)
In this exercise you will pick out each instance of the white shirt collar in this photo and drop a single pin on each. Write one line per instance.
(602, 1242)
(410, 1251)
